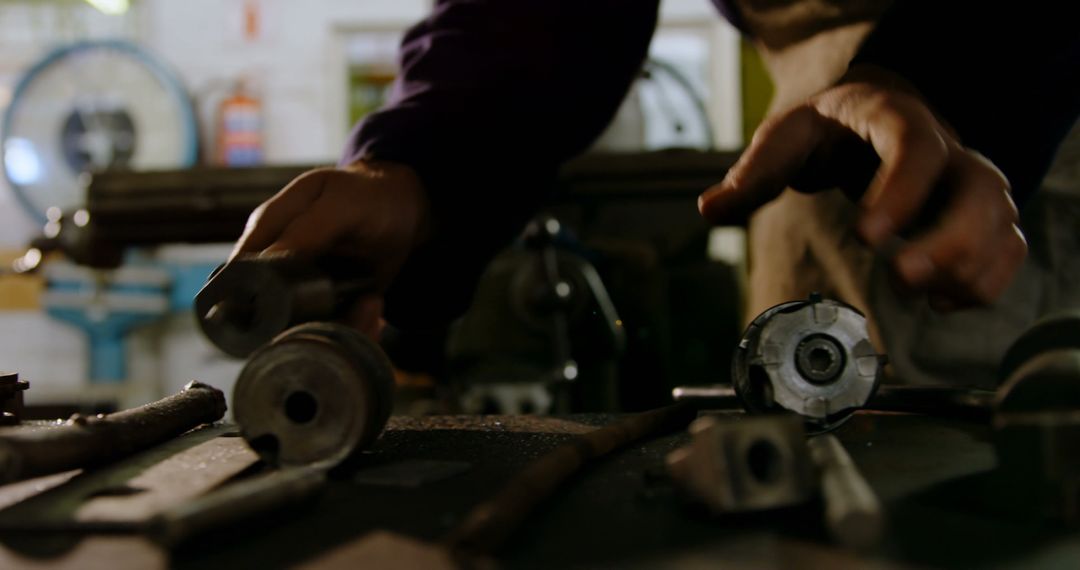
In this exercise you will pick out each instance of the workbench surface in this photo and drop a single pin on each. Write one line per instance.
(622, 511)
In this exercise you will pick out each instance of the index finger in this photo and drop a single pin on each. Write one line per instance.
(269, 221)
(777, 152)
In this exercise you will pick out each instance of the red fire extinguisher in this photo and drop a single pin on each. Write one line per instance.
(239, 129)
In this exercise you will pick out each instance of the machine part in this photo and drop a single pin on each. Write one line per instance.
(941, 401)
(1037, 419)
(546, 336)
(315, 395)
(65, 121)
(712, 396)
(250, 300)
(511, 398)
(811, 357)
(239, 501)
(210, 205)
(106, 306)
(745, 463)
(11, 398)
(490, 523)
(85, 441)
(853, 513)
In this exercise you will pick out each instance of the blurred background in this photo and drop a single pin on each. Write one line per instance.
(137, 132)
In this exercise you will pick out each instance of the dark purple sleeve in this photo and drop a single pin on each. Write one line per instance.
(492, 96)
(1006, 76)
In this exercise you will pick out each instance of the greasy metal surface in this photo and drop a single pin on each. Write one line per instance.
(927, 471)
(174, 481)
(811, 357)
(83, 440)
(319, 393)
(488, 525)
(930, 473)
(131, 488)
(265, 494)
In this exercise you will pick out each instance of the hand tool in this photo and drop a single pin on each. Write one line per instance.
(93, 440)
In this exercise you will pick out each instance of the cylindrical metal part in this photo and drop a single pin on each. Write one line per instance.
(745, 463)
(250, 300)
(83, 441)
(853, 513)
(811, 357)
(315, 395)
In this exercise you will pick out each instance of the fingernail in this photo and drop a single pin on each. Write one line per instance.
(876, 227)
(915, 267)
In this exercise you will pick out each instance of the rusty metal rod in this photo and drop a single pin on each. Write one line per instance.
(85, 441)
(490, 523)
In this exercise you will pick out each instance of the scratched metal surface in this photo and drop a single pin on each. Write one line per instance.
(623, 512)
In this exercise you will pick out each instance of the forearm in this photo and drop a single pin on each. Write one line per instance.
(492, 96)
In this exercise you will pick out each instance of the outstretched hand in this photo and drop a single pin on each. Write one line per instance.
(961, 243)
(372, 213)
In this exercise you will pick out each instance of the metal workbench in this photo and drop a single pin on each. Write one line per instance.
(622, 511)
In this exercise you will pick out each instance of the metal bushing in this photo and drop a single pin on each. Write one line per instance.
(314, 396)
(745, 464)
(810, 357)
(250, 300)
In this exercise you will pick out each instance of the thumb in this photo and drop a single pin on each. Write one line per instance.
(365, 315)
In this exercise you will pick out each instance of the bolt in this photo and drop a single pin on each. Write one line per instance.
(819, 359)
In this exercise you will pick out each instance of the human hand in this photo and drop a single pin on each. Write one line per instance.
(962, 244)
(374, 213)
